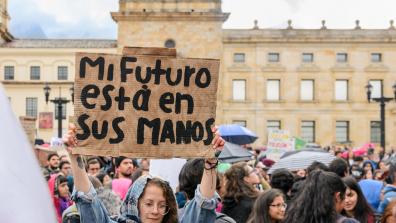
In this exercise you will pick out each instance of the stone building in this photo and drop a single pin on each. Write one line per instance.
(308, 81)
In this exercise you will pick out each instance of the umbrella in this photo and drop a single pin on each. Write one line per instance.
(302, 159)
(233, 153)
(237, 134)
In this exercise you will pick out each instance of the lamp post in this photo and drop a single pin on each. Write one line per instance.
(59, 102)
(382, 101)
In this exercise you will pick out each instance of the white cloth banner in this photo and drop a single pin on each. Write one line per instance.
(167, 169)
(24, 194)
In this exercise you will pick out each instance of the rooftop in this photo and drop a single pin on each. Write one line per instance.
(60, 43)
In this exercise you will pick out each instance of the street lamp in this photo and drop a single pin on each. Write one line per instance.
(382, 100)
(58, 101)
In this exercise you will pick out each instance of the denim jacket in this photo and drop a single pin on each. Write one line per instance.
(198, 210)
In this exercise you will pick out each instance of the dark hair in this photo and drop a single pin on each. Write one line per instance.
(101, 175)
(119, 160)
(235, 186)
(362, 209)
(260, 210)
(315, 202)
(62, 163)
(339, 166)
(371, 164)
(58, 181)
(357, 158)
(282, 179)
(316, 165)
(356, 171)
(171, 216)
(337, 152)
(51, 155)
(94, 160)
(190, 176)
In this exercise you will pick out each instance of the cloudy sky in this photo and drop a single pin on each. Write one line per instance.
(91, 18)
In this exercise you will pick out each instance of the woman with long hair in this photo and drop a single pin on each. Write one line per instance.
(269, 207)
(320, 200)
(60, 194)
(356, 205)
(148, 200)
(240, 192)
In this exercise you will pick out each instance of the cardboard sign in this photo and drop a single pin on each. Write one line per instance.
(145, 105)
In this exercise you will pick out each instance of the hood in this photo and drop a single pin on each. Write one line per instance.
(129, 208)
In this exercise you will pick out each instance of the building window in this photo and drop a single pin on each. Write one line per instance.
(239, 122)
(273, 125)
(170, 43)
(9, 72)
(375, 132)
(31, 107)
(239, 58)
(342, 57)
(376, 91)
(307, 90)
(342, 131)
(62, 72)
(376, 57)
(273, 89)
(34, 73)
(63, 111)
(273, 57)
(307, 57)
(341, 90)
(308, 131)
(239, 90)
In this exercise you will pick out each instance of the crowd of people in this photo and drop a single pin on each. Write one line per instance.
(104, 190)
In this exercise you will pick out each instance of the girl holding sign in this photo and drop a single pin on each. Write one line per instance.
(149, 199)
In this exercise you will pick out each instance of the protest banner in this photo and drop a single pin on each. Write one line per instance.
(145, 105)
(279, 142)
(21, 188)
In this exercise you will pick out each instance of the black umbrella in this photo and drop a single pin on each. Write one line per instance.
(233, 153)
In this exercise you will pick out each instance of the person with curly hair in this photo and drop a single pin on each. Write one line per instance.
(240, 192)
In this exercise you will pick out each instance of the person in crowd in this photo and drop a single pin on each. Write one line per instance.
(148, 199)
(64, 158)
(390, 189)
(240, 191)
(389, 215)
(320, 200)
(53, 164)
(358, 160)
(65, 168)
(269, 207)
(381, 165)
(93, 166)
(316, 165)
(189, 178)
(368, 165)
(145, 164)
(104, 178)
(356, 172)
(124, 170)
(379, 174)
(367, 174)
(301, 173)
(340, 167)
(138, 173)
(356, 205)
(283, 180)
(60, 194)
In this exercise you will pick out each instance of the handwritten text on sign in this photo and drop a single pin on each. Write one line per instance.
(145, 106)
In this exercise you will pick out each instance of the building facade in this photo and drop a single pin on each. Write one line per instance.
(310, 82)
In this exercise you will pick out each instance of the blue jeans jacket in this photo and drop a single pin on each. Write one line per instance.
(198, 210)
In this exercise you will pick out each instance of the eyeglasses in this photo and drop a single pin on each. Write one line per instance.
(163, 209)
(279, 206)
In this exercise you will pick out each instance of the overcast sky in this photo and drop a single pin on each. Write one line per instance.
(91, 18)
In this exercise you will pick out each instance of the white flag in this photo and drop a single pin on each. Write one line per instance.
(24, 194)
